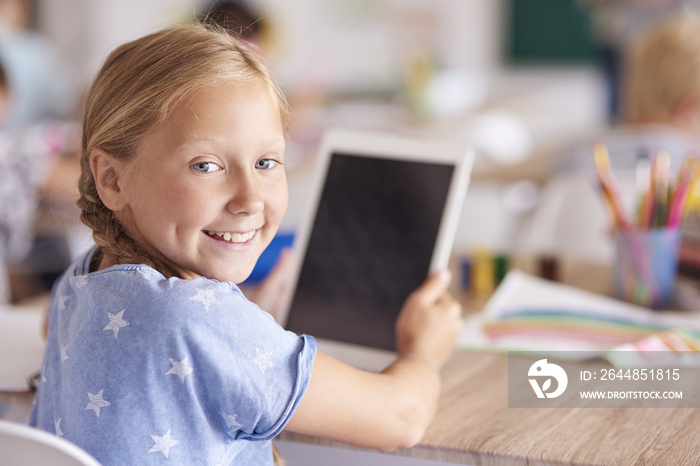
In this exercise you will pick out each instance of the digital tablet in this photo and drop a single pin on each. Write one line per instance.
(383, 214)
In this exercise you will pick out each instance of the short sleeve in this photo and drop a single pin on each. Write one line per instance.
(140, 368)
(247, 371)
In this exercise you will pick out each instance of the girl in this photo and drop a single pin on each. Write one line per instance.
(153, 353)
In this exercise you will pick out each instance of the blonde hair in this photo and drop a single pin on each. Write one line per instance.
(135, 91)
(663, 68)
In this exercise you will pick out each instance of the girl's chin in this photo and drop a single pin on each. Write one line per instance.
(236, 277)
(223, 270)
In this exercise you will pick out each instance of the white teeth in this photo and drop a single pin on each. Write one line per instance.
(233, 237)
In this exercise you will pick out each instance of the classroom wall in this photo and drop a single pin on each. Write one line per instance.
(85, 31)
(362, 39)
(365, 40)
(360, 45)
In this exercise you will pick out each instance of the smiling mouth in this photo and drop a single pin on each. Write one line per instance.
(232, 237)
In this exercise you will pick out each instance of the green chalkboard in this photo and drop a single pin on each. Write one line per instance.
(548, 31)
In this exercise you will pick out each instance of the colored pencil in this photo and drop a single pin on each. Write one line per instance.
(662, 164)
(644, 199)
(680, 194)
(647, 290)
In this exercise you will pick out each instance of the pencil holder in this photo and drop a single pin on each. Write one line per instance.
(646, 265)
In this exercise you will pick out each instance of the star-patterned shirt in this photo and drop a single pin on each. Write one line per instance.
(140, 369)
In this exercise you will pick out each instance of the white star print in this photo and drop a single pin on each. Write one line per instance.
(181, 369)
(59, 432)
(62, 302)
(230, 419)
(205, 297)
(262, 360)
(116, 322)
(163, 444)
(81, 281)
(97, 402)
(64, 353)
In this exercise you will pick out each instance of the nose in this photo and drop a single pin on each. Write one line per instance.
(246, 197)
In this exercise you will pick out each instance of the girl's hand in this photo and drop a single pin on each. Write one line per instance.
(394, 408)
(429, 322)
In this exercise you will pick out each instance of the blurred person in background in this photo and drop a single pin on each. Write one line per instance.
(660, 98)
(38, 165)
(36, 162)
(617, 24)
(660, 112)
(42, 85)
(239, 19)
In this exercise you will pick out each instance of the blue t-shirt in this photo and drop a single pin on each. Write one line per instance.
(140, 369)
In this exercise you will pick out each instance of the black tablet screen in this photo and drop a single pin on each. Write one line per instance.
(370, 245)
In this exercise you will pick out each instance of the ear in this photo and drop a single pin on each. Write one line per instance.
(107, 171)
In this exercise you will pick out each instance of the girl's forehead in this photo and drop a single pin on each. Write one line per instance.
(230, 88)
(214, 113)
(228, 91)
(232, 96)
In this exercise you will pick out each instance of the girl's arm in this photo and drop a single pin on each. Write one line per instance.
(392, 409)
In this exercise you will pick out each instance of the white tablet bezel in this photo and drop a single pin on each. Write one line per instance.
(381, 145)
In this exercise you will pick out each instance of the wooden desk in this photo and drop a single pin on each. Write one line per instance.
(474, 426)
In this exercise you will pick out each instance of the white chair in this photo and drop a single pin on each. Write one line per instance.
(24, 445)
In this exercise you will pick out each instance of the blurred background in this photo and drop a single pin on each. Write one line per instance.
(532, 65)
(521, 81)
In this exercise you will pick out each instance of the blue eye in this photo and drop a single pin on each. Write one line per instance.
(265, 164)
(205, 167)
